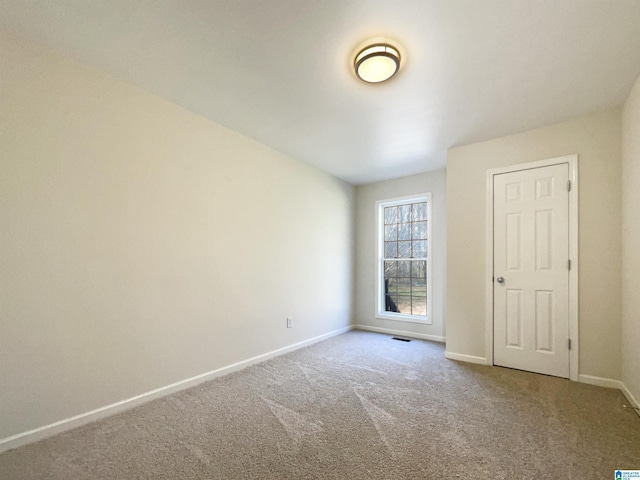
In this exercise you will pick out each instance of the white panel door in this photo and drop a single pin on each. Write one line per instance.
(531, 272)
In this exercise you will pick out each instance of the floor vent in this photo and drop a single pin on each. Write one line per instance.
(400, 339)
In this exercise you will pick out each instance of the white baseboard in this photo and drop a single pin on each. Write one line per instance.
(632, 400)
(55, 428)
(465, 358)
(610, 383)
(600, 382)
(401, 333)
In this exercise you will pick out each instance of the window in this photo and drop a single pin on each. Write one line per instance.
(404, 242)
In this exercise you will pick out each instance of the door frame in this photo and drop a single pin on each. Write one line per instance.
(572, 162)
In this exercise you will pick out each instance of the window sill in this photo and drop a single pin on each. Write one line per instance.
(404, 318)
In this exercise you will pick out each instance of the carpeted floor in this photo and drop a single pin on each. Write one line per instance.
(357, 406)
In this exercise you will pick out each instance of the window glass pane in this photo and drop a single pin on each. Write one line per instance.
(390, 215)
(390, 249)
(390, 269)
(404, 249)
(404, 283)
(404, 231)
(418, 230)
(404, 212)
(419, 248)
(391, 303)
(419, 305)
(390, 232)
(418, 287)
(404, 286)
(404, 268)
(419, 269)
(391, 286)
(419, 212)
(404, 304)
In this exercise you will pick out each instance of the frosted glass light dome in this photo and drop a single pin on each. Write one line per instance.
(377, 63)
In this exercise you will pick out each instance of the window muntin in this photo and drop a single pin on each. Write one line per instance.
(403, 287)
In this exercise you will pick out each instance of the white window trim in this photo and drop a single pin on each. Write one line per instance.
(379, 308)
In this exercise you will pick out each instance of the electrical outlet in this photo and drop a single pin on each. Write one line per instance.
(289, 322)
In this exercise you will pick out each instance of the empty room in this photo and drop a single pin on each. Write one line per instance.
(291, 239)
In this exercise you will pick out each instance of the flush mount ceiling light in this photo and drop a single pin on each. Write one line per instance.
(377, 62)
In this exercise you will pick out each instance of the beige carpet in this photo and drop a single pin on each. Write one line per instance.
(358, 406)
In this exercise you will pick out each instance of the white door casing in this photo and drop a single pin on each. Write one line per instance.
(532, 230)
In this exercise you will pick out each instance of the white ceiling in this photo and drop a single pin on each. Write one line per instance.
(279, 71)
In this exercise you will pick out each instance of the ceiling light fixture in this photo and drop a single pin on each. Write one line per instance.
(377, 62)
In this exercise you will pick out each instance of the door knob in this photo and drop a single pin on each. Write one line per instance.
(500, 280)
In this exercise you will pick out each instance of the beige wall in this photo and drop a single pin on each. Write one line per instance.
(142, 245)
(631, 243)
(366, 198)
(596, 140)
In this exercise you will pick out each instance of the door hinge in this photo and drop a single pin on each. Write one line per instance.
(569, 343)
(569, 264)
(568, 185)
